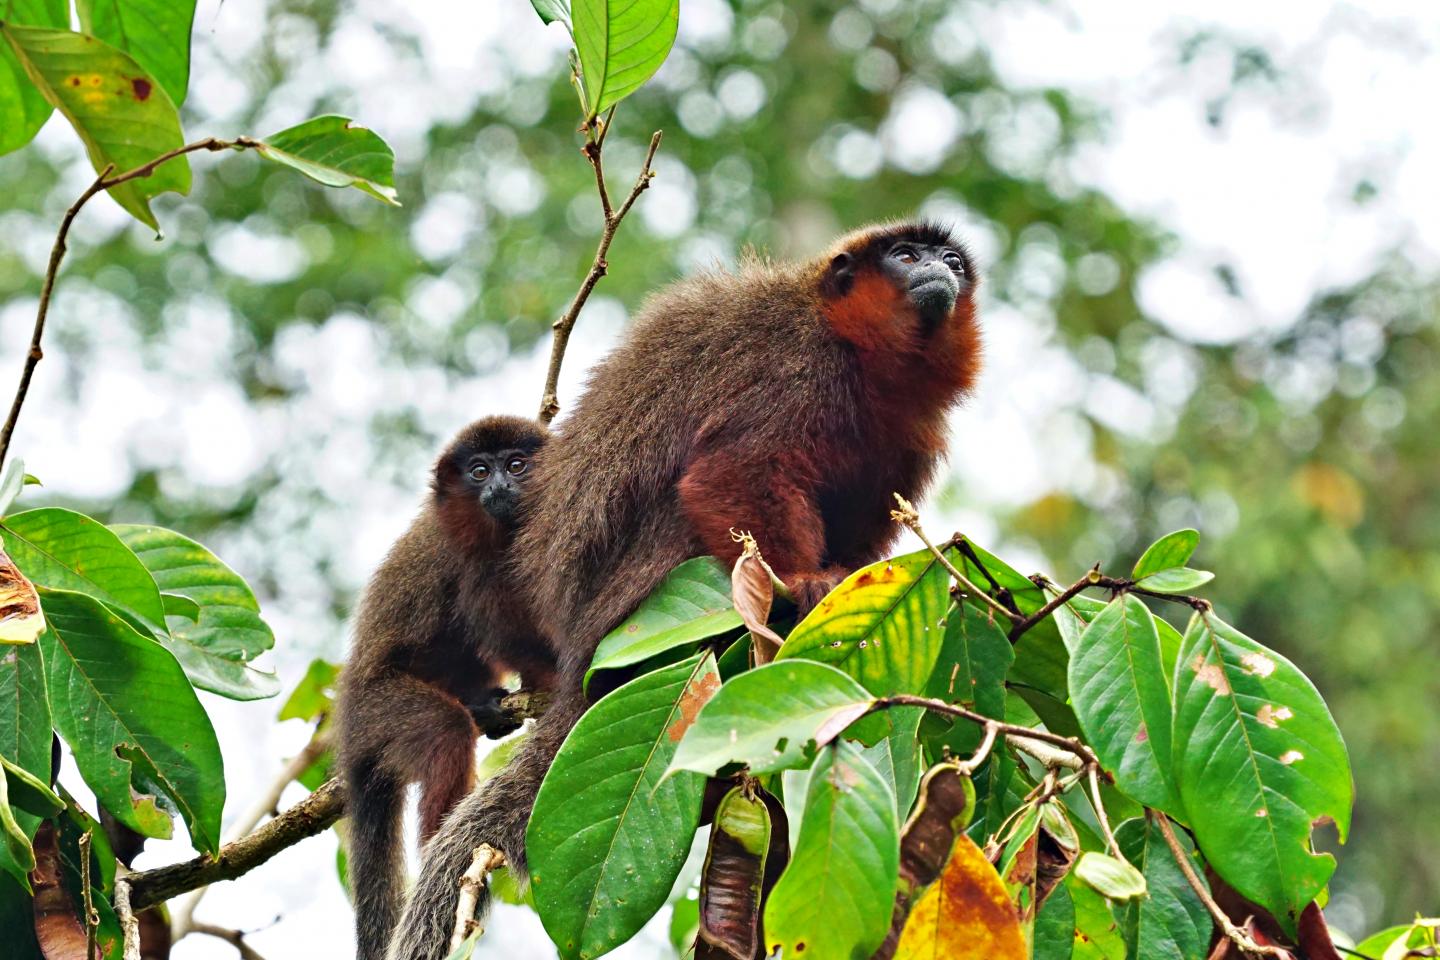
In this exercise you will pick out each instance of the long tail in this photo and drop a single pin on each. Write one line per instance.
(376, 862)
(496, 814)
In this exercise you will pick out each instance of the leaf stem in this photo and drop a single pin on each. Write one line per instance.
(57, 253)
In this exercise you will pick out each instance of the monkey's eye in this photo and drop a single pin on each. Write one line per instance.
(479, 472)
(516, 466)
(953, 261)
(905, 255)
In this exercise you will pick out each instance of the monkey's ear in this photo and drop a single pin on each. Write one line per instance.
(839, 274)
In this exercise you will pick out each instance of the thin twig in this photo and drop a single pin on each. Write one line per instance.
(129, 926)
(1047, 753)
(967, 767)
(550, 401)
(909, 517)
(1100, 816)
(182, 916)
(1009, 729)
(1234, 933)
(472, 881)
(92, 916)
(1090, 579)
(57, 253)
(235, 938)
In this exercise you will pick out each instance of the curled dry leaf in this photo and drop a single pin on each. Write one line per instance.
(20, 618)
(731, 883)
(752, 585)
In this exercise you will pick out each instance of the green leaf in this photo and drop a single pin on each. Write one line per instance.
(834, 899)
(124, 118)
(1072, 619)
(884, 625)
(65, 550)
(314, 695)
(17, 919)
(689, 605)
(17, 839)
(772, 718)
(1121, 696)
(1171, 550)
(1114, 879)
(329, 150)
(621, 44)
(23, 108)
(897, 754)
(182, 607)
(1055, 926)
(1171, 923)
(215, 649)
(608, 836)
(28, 792)
(131, 718)
(1259, 762)
(1097, 935)
(971, 670)
(155, 32)
(24, 732)
(1179, 580)
(552, 10)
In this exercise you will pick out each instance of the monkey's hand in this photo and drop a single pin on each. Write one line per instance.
(490, 717)
(809, 589)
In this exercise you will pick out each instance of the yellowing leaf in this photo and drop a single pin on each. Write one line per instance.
(965, 915)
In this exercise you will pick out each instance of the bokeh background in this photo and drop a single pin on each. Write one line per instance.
(1210, 236)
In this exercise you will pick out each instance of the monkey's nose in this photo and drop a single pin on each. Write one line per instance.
(933, 290)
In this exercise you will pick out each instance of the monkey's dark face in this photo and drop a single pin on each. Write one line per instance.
(930, 274)
(920, 262)
(493, 478)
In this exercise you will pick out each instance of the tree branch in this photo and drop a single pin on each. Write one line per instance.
(1090, 579)
(57, 253)
(1011, 730)
(129, 925)
(307, 818)
(550, 401)
(472, 881)
(1234, 933)
(235, 938)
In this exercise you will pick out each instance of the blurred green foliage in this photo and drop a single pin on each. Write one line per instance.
(1307, 459)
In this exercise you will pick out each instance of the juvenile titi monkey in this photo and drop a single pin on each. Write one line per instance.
(439, 624)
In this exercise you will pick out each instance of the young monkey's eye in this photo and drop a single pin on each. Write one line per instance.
(953, 261)
(904, 255)
(479, 472)
(516, 466)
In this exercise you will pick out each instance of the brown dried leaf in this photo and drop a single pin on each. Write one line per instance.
(58, 927)
(20, 618)
(753, 592)
(730, 884)
(965, 916)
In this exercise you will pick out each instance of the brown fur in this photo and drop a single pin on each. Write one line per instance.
(438, 625)
(781, 399)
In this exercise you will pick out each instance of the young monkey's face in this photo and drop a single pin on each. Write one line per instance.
(493, 478)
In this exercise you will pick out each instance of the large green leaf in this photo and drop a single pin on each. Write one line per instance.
(65, 550)
(1097, 935)
(884, 625)
(155, 32)
(1121, 696)
(690, 604)
(24, 731)
(1055, 926)
(138, 732)
(897, 754)
(607, 837)
(834, 899)
(123, 116)
(621, 44)
(971, 671)
(771, 718)
(1171, 923)
(1259, 762)
(329, 150)
(23, 108)
(28, 792)
(215, 649)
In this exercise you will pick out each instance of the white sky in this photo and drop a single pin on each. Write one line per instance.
(1267, 193)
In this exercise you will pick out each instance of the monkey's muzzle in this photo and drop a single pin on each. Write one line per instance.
(933, 289)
